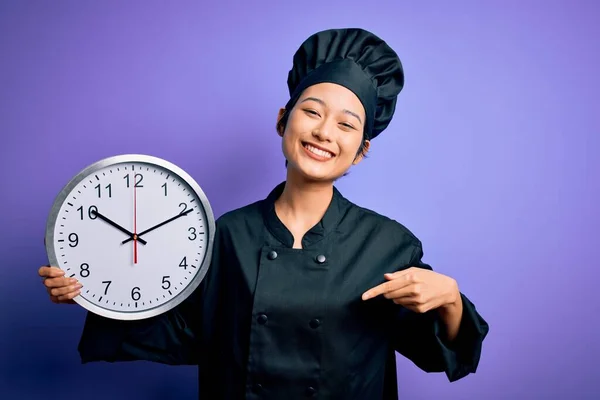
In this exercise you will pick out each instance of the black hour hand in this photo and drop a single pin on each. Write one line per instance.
(119, 227)
(159, 225)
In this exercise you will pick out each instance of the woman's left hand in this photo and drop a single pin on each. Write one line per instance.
(417, 289)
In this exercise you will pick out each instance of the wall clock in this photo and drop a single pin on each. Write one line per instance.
(136, 231)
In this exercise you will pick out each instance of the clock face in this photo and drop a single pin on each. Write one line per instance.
(136, 231)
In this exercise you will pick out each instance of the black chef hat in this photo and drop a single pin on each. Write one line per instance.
(357, 60)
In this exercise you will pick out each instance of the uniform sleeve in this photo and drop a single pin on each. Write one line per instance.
(420, 336)
(177, 337)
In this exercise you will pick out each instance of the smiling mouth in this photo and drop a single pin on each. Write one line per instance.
(317, 151)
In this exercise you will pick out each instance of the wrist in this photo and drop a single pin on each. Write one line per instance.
(453, 299)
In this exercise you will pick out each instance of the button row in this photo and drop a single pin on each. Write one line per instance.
(319, 259)
(262, 320)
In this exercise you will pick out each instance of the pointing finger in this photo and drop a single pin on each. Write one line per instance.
(384, 288)
(396, 280)
(376, 291)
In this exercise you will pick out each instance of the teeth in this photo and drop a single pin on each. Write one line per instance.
(318, 152)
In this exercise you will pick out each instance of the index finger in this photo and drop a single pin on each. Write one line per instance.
(378, 290)
(47, 271)
(396, 280)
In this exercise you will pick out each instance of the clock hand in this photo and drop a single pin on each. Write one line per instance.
(119, 227)
(157, 226)
(135, 237)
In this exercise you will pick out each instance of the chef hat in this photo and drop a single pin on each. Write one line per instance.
(357, 60)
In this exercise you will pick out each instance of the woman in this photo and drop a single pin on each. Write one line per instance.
(309, 294)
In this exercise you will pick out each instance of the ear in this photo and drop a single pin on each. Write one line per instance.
(362, 155)
(279, 116)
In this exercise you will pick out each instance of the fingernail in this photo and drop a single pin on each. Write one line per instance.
(72, 280)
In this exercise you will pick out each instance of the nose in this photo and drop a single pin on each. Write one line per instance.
(322, 132)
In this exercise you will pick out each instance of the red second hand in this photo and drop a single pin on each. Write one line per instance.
(134, 224)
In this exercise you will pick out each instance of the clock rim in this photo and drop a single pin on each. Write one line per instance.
(61, 198)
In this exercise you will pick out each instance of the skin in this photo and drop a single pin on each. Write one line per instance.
(332, 118)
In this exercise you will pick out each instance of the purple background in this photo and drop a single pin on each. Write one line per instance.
(491, 160)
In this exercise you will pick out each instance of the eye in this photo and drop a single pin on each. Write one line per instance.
(312, 112)
(347, 125)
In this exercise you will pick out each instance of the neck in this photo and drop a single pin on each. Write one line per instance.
(303, 203)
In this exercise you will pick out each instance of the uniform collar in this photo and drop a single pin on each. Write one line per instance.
(334, 213)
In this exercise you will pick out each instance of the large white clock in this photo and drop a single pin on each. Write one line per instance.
(136, 231)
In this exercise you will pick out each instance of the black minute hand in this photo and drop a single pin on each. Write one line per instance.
(119, 227)
(158, 225)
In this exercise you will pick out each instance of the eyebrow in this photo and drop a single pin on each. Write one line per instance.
(323, 103)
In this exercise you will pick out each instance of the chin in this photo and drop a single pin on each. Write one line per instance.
(314, 173)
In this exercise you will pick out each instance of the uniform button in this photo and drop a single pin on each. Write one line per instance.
(272, 255)
(321, 259)
(262, 319)
(311, 391)
(315, 323)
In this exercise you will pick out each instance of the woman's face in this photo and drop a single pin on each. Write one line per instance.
(324, 132)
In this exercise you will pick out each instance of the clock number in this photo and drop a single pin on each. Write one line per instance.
(135, 294)
(183, 264)
(193, 232)
(184, 207)
(73, 239)
(164, 185)
(84, 270)
(107, 283)
(90, 214)
(97, 187)
(166, 281)
(138, 179)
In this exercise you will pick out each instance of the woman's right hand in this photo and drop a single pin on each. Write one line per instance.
(61, 289)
